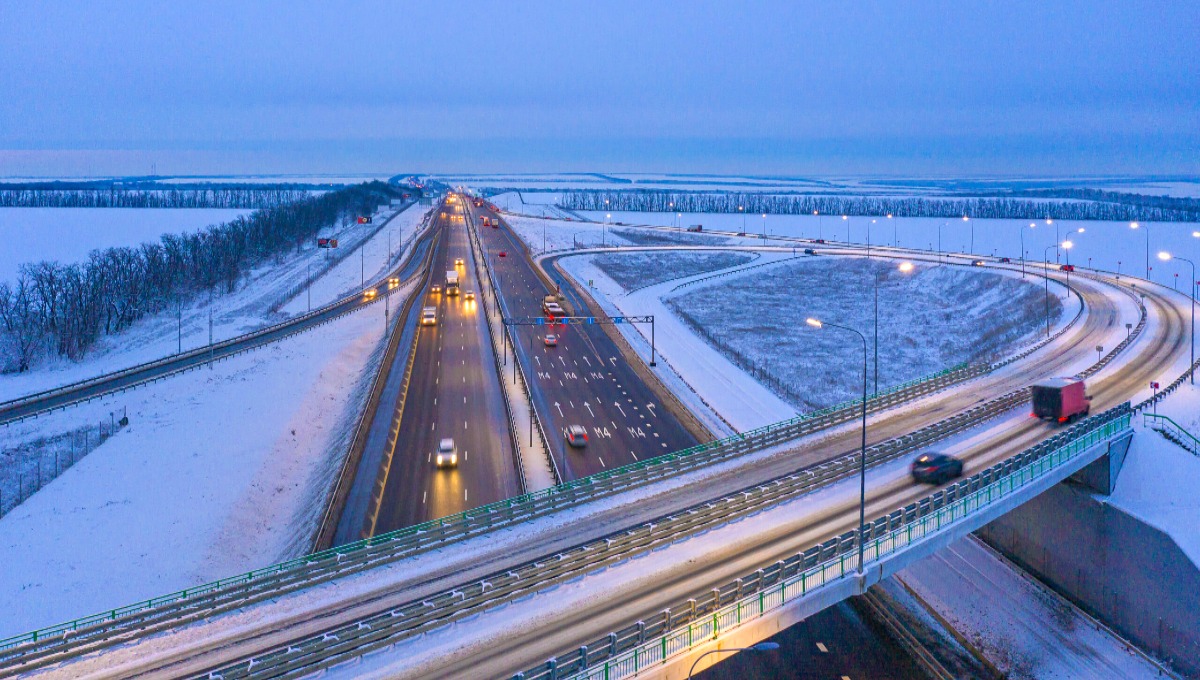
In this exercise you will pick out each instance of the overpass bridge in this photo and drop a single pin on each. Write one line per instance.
(751, 532)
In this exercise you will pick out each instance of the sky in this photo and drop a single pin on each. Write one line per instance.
(1013, 88)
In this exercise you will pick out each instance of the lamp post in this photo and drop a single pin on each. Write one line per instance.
(742, 210)
(862, 462)
(869, 238)
(820, 225)
(764, 227)
(1057, 252)
(968, 219)
(1067, 245)
(940, 241)
(1135, 225)
(1165, 256)
(604, 230)
(905, 267)
(1031, 226)
(846, 219)
(1046, 277)
(895, 232)
(760, 647)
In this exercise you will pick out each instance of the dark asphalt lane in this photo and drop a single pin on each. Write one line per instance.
(584, 380)
(454, 392)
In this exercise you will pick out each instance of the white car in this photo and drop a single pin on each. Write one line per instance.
(447, 453)
(458, 262)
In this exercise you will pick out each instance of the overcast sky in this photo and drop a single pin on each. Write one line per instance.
(897, 88)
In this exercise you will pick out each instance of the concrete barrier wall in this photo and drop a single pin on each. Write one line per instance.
(1127, 573)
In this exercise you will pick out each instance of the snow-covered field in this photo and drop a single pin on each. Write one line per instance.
(1110, 246)
(758, 320)
(637, 270)
(70, 234)
(220, 470)
(248, 308)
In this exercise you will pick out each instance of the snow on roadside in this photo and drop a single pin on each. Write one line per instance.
(218, 472)
(242, 311)
(1020, 627)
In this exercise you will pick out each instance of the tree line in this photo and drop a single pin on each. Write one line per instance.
(64, 309)
(1103, 206)
(243, 198)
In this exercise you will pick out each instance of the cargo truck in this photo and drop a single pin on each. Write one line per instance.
(1061, 400)
(452, 282)
(696, 228)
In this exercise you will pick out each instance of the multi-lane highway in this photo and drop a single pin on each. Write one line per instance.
(453, 393)
(584, 380)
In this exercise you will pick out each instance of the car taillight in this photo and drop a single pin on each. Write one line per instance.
(585, 437)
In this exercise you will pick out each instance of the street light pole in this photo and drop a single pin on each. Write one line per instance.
(1192, 334)
(862, 462)
(1046, 277)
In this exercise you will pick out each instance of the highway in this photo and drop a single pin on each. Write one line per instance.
(67, 395)
(644, 595)
(585, 380)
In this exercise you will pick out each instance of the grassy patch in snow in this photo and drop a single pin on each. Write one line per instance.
(930, 319)
(638, 270)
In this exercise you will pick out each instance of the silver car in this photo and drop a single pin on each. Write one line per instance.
(447, 453)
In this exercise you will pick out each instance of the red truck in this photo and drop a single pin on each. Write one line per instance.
(1060, 399)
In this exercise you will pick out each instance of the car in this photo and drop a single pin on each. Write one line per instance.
(976, 263)
(370, 294)
(1005, 259)
(741, 233)
(818, 240)
(551, 340)
(1067, 268)
(469, 295)
(447, 453)
(435, 288)
(429, 316)
(936, 468)
(809, 251)
(576, 436)
(503, 253)
(458, 262)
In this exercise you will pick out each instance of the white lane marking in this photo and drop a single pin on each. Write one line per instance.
(464, 495)
(559, 407)
(465, 401)
(633, 454)
(601, 462)
(464, 424)
(424, 496)
(433, 426)
(824, 650)
(464, 455)
(435, 401)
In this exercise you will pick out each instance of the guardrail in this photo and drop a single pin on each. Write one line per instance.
(187, 360)
(625, 653)
(280, 578)
(1172, 431)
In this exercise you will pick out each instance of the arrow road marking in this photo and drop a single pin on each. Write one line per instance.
(559, 407)
(651, 407)
(589, 408)
(618, 405)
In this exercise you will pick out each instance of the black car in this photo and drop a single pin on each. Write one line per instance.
(809, 251)
(818, 240)
(936, 468)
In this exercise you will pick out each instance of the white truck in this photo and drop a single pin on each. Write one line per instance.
(452, 282)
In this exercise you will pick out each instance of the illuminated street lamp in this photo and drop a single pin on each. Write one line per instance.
(1135, 225)
(905, 268)
(846, 219)
(862, 461)
(820, 224)
(968, 219)
(895, 232)
(764, 226)
(1165, 257)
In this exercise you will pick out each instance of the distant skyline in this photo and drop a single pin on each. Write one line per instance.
(873, 88)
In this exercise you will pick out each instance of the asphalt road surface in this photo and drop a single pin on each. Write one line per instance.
(454, 393)
(584, 380)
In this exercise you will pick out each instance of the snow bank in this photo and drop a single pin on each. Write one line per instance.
(218, 472)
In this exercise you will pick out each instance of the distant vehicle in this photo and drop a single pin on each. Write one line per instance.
(503, 253)
(435, 288)
(447, 453)
(936, 468)
(551, 340)
(496, 223)
(458, 262)
(741, 233)
(327, 243)
(429, 316)
(1060, 399)
(452, 283)
(405, 197)
(1005, 259)
(576, 436)
(370, 294)
(809, 251)
(393, 281)
(976, 263)
(364, 220)
(553, 310)
(1067, 268)
(469, 295)
(818, 240)
(485, 221)
(696, 228)
(443, 214)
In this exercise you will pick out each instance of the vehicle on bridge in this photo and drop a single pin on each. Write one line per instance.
(576, 436)
(451, 283)
(936, 468)
(485, 221)
(435, 288)
(551, 340)
(447, 453)
(1005, 259)
(976, 263)
(696, 228)
(809, 251)
(818, 240)
(469, 295)
(429, 316)
(369, 295)
(459, 262)
(1067, 268)
(1060, 399)
(503, 253)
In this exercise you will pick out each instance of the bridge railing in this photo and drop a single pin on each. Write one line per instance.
(601, 661)
(1165, 425)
